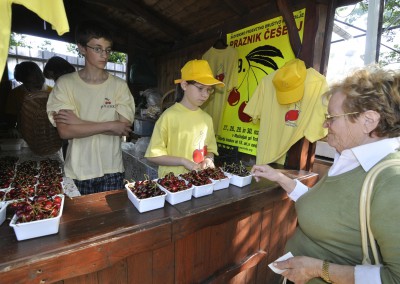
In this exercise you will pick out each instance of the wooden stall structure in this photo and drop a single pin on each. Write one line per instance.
(165, 34)
(227, 237)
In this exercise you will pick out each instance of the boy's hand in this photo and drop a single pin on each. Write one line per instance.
(120, 128)
(66, 116)
(189, 165)
(207, 163)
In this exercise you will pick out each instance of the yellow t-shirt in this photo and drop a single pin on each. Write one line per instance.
(281, 126)
(224, 65)
(184, 133)
(51, 11)
(100, 154)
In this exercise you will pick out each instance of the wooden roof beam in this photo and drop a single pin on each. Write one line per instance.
(237, 7)
(141, 12)
(155, 19)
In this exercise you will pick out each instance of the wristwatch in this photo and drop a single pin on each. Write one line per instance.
(325, 272)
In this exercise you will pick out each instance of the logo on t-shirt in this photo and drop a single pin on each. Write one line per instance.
(200, 149)
(292, 115)
(107, 104)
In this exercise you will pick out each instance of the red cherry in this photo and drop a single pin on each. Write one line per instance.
(244, 116)
(220, 77)
(234, 97)
(57, 199)
(292, 115)
(198, 156)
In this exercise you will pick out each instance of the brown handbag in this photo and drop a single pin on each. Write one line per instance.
(40, 135)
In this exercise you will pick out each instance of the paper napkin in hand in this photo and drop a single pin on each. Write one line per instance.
(282, 258)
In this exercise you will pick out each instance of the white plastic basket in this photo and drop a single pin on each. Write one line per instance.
(177, 197)
(145, 204)
(39, 228)
(3, 210)
(203, 190)
(238, 180)
(221, 183)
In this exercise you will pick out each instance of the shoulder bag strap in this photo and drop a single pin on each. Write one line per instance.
(365, 201)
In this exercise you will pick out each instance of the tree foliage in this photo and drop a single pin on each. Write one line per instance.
(20, 40)
(390, 27)
(46, 45)
(115, 57)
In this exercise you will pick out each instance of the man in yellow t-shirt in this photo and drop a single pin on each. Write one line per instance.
(93, 109)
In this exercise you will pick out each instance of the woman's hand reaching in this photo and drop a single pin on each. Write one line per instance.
(267, 172)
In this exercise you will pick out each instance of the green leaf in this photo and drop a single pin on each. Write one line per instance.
(265, 50)
(262, 55)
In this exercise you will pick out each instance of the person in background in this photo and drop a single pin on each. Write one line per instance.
(93, 110)
(183, 138)
(363, 123)
(57, 66)
(31, 76)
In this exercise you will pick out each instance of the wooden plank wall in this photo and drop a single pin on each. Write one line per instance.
(169, 65)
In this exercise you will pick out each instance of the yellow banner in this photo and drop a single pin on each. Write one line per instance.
(262, 49)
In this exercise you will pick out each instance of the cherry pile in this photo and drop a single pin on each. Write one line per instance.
(35, 178)
(145, 189)
(173, 183)
(26, 175)
(214, 173)
(236, 169)
(20, 192)
(39, 208)
(196, 178)
(7, 170)
(50, 178)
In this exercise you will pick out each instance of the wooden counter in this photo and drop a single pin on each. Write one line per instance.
(227, 237)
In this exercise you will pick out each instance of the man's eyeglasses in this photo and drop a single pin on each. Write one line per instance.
(208, 90)
(329, 118)
(99, 50)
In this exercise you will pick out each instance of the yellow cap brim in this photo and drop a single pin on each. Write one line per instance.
(207, 81)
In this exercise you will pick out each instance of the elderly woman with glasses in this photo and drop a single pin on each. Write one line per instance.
(364, 127)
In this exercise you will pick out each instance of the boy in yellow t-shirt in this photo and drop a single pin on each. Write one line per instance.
(92, 109)
(183, 138)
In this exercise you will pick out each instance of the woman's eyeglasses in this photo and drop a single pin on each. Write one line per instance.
(329, 118)
(99, 50)
(208, 90)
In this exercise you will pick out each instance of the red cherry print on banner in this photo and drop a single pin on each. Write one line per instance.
(234, 97)
(220, 77)
(244, 116)
(292, 115)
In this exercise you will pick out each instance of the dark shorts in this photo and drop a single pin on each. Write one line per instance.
(100, 184)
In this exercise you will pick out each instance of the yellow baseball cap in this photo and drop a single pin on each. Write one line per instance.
(199, 71)
(289, 81)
